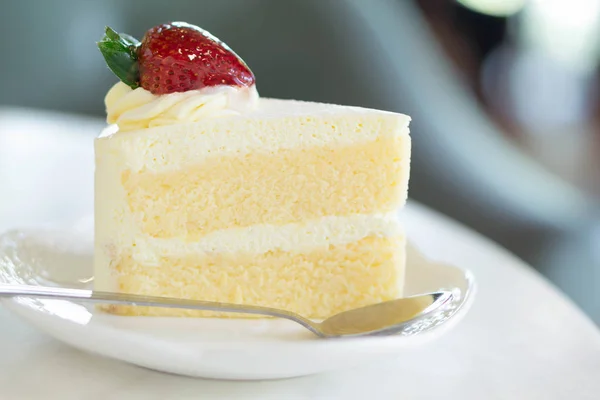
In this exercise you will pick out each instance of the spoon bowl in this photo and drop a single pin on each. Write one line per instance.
(388, 317)
(381, 318)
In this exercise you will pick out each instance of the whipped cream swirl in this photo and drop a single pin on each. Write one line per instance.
(132, 109)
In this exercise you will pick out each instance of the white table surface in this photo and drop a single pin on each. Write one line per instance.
(521, 340)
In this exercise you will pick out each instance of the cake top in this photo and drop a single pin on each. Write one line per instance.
(180, 74)
(177, 73)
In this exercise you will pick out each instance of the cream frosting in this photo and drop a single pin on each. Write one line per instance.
(133, 109)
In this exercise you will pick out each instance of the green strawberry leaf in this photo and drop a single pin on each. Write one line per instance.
(120, 53)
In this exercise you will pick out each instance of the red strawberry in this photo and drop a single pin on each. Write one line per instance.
(178, 57)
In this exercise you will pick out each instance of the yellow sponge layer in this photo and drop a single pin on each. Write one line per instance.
(277, 188)
(315, 284)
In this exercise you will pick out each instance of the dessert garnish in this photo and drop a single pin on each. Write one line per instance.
(173, 57)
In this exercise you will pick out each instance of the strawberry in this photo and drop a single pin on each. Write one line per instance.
(174, 57)
(177, 57)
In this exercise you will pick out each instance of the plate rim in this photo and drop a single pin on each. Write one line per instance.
(396, 341)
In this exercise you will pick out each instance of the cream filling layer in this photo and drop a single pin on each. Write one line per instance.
(301, 237)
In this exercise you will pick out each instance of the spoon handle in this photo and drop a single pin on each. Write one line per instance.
(140, 300)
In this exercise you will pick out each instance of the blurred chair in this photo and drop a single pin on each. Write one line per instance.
(463, 166)
(368, 53)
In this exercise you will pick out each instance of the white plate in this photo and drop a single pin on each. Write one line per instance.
(211, 348)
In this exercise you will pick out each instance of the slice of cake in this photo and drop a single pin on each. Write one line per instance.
(205, 190)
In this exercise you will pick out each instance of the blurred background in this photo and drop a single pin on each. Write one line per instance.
(504, 96)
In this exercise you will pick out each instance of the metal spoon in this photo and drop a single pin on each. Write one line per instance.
(382, 318)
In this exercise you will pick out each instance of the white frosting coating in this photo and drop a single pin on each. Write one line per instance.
(272, 126)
